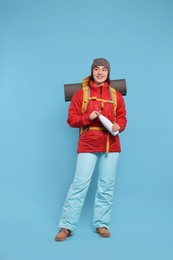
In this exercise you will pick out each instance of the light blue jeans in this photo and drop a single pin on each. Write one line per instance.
(85, 166)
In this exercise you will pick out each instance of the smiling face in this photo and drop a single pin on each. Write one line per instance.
(100, 75)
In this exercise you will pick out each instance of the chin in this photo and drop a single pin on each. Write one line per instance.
(100, 82)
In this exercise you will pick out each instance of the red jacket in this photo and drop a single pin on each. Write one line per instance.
(96, 140)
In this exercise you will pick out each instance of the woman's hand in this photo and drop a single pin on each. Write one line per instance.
(94, 115)
(115, 127)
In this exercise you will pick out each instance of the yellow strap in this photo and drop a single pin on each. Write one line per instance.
(96, 128)
(101, 99)
(114, 98)
(85, 129)
(107, 143)
(86, 94)
(85, 98)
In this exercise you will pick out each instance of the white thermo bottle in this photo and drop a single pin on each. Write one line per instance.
(107, 124)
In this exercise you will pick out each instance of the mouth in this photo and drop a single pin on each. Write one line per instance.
(100, 77)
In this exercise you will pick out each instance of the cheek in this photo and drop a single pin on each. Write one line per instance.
(106, 75)
(94, 74)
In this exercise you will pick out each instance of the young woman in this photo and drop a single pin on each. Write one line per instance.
(95, 144)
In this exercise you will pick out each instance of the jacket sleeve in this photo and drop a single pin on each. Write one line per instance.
(121, 119)
(75, 116)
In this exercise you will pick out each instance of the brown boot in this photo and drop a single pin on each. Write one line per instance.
(103, 232)
(63, 234)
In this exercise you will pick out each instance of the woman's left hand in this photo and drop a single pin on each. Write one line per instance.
(115, 127)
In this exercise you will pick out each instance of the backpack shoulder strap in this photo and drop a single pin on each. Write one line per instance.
(113, 97)
(86, 95)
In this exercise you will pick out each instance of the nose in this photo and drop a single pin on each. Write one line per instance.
(99, 71)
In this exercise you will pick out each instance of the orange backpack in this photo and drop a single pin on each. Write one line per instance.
(86, 98)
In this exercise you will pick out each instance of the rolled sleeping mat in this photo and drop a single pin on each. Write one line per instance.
(118, 84)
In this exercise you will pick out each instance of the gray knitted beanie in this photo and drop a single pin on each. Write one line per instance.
(100, 62)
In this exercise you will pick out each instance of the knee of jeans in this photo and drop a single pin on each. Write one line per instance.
(80, 184)
(107, 184)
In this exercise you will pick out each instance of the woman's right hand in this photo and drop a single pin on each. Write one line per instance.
(94, 115)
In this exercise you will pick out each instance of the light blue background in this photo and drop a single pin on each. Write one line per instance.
(44, 45)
